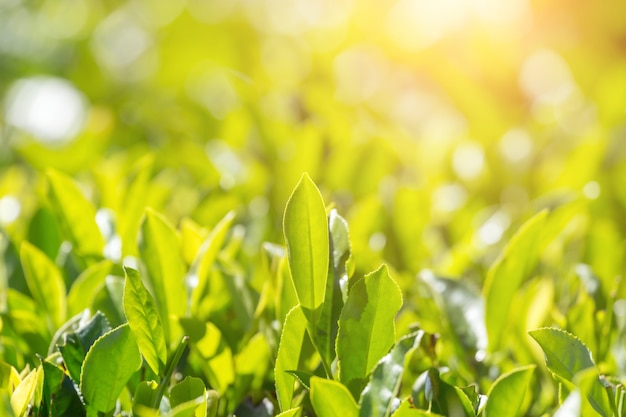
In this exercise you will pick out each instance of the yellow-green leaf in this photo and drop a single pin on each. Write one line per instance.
(507, 393)
(45, 283)
(332, 399)
(145, 322)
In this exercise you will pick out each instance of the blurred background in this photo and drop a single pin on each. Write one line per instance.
(435, 127)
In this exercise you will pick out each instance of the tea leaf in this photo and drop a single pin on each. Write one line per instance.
(331, 398)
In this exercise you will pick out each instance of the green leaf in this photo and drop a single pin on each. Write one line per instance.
(306, 233)
(76, 215)
(366, 327)
(24, 392)
(189, 389)
(506, 275)
(406, 409)
(188, 397)
(331, 398)
(507, 393)
(144, 399)
(294, 412)
(59, 393)
(9, 377)
(216, 356)
(160, 250)
(206, 257)
(379, 396)
(566, 357)
(336, 287)
(108, 366)
(288, 356)
(76, 344)
(86, 286)
(145, 323)
(447, 399)
(45, 283)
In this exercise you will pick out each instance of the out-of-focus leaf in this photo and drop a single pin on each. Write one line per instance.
(306, 233)
(190, 392)
(366, 327)
(378, 399)
(25, 392)
(85, 287)
(331, 398)
(134, 203)
(76, 215)
(506, 275)
(46, 284)
(288, 356)
(145, 322)
(216, 357)
(9, 378)
(205, 258)
(108, 366)
(506, 395)
(144, 399)
(566, 356)
(160, 250)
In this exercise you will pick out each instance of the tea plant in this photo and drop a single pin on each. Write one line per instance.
(180, 330)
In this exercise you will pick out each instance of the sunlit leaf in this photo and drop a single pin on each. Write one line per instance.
(45, 283)
(507, 393)
(108, 366)
(85, 287)
(514, 265)
(306, 233)
(366, 327)
(76, 215)
(331, 398)
(144, 321)
(288, 356)
(160, 250)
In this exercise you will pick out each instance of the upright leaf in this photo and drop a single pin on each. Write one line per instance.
(566, 357)
(336, 287)
(506, 395)
(331, 399)
(206, 256)
(86, 286)
(108, 366)
(45, 283)
(76, 214)
(160, 250)
(288, 356)
(366, 327)
(24, 392)
(506, 275)
(145, 322)
(306, 233)
(379, 396)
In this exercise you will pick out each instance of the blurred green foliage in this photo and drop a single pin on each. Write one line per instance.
(435, 128)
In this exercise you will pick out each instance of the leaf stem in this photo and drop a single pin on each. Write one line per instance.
(169, 370)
